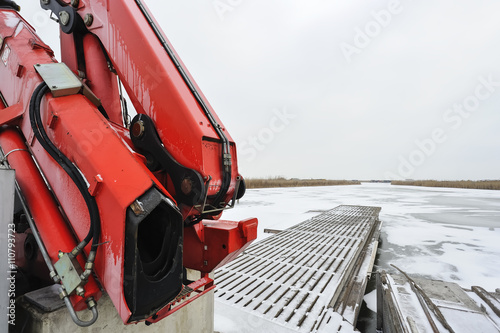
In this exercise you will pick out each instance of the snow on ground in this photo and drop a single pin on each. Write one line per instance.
(439, 233)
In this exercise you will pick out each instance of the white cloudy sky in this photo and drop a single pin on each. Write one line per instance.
(344, 89)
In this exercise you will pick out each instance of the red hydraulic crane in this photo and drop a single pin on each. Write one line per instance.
(126, 205)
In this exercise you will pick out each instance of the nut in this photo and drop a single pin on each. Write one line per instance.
(80, 291)
(64, 17)
(88, 19)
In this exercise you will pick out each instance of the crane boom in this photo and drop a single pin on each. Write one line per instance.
(135, 203)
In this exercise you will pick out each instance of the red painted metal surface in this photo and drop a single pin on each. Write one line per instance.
(89, 141)
(11, 114)
(156, 88)
(214, 243)
(101, 148)
(199, 288)
(52, 227)
(100, 79)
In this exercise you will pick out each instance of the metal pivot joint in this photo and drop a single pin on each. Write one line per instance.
(66, 15)
(189, 186)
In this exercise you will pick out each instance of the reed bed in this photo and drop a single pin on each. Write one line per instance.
(473, 184)
(283, 182)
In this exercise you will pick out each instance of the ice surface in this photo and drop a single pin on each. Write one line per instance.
(371, 300)
(439, 233)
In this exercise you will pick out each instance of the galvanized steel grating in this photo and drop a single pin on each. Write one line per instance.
(291, 277)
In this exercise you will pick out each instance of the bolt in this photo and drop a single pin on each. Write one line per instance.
(45, 2)
(80, 291)
(54, 87)
(61, 254)
(186, 186)
(64, 17)
(75, 3)
(88, 19)
(138, 129)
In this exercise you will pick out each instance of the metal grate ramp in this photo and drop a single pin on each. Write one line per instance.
(295, 277)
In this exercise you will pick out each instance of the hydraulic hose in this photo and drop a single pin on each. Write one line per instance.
(92, 307)
(41, 135)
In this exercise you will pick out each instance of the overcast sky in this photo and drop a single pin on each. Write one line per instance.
(343, 89)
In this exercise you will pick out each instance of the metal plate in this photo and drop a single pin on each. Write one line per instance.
(59, 78)
(47, 299)
(69, 271)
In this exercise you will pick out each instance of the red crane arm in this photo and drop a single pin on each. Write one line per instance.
(131, 197)
(159, 87)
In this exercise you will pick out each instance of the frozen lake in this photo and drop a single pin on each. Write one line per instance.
(439, 233)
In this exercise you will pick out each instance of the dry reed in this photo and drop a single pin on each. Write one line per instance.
(474, 184)
(283, 182)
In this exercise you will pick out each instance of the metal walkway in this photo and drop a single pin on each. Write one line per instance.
(409, 305)
(301, 278)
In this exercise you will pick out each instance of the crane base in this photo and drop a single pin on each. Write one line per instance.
(197, 317)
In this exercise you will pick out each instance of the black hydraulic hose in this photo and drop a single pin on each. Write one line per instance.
(41, 135)
(226, 181)
(65, 163)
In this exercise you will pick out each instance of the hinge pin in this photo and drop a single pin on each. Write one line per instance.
(64, 17)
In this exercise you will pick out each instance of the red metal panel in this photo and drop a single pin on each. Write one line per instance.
(11, 114)
(211, 244)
